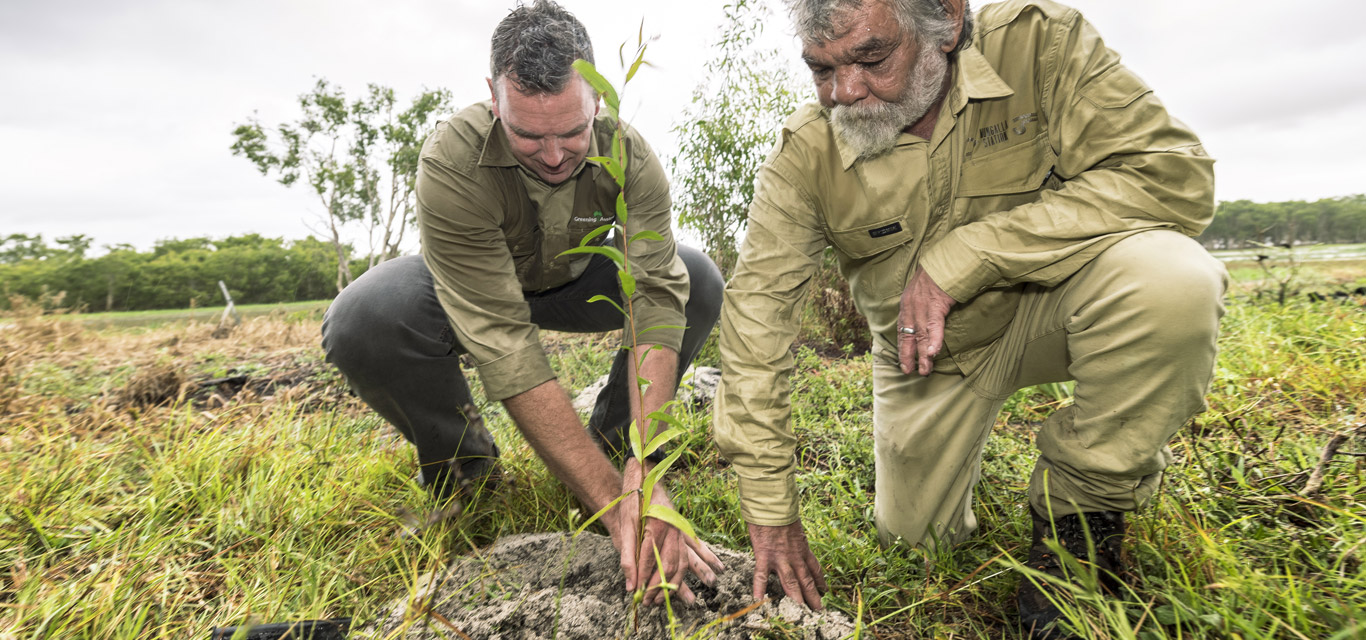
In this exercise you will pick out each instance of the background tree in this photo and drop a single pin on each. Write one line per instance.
(1243, 223)
(339, 148)
(728, 130)
(397, 139)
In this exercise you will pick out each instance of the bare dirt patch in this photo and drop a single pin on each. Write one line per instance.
(542, 586)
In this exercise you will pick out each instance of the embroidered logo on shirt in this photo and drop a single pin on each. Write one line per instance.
(597, 218)
(885, 231)
(1022, 123)
(995, 134)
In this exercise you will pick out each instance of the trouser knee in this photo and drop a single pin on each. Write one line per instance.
(1168, 282)
(705, 287)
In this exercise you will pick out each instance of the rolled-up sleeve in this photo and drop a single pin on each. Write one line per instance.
(466, 251)
(760, 319)
(1125, 166)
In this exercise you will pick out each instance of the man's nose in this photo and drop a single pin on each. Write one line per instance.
(552, 152)
(850, 86)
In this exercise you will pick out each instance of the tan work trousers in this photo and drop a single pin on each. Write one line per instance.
(1136, 329)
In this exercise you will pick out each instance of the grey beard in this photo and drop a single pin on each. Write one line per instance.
(872, 130)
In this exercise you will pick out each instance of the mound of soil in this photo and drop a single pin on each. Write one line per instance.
(543, 586)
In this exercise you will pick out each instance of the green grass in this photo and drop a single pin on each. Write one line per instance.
(121, 521)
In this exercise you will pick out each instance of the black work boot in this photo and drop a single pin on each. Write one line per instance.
(1038, 614)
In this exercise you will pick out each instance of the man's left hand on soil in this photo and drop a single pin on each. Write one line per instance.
(677, 553)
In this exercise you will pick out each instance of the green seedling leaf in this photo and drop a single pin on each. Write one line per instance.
(662, 439)
(656, 474)
(628, 283)
(661, 512)
(665, 417)
(613, 168)
(648, 234)
(599, 84)
(635, 66)
(611, 252)
(594, 233)
(601, 298)
(621, 207)
(637, 446)
(599, 514)
(619, 152)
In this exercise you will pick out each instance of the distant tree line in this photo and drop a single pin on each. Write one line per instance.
(1242, 223)
(174, 274)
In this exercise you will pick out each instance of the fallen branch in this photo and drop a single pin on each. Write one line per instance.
(1330, 450)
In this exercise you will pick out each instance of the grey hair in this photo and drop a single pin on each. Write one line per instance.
(928, 19)
(536, 46)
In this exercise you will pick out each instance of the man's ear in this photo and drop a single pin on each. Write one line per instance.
(494, 94)
(955, 10)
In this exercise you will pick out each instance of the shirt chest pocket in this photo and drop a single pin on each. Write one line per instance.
(994, 181)
(875, 257)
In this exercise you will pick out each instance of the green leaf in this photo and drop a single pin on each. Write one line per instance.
(662, 439)
(619, 152)
(613, 168)
(648, 234)
(621, 206)
(599, 514)
(599, 84)
(656, 474)
(611, 252)
(628, 283)
(635, 66)
(610, 301)
(595, 233)
(636, 446)
(661, 512)
(666, 417)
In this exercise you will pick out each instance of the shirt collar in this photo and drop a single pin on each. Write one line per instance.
(975, 79)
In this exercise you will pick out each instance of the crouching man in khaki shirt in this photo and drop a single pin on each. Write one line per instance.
(1010, 206)
(503, 188)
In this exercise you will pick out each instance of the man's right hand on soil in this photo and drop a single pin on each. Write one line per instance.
(677, 552)
(783, 550)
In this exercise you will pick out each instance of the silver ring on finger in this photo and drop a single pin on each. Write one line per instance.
(910, 331)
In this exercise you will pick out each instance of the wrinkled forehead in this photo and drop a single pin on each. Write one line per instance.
(539, 114)
(825, 20)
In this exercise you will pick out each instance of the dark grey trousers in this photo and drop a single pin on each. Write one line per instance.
(394, 344)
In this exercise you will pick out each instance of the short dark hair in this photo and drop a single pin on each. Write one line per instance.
(536, 45)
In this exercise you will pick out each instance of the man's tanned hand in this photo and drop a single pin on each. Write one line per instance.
(784, 551)
(924, 306)
(678, 553)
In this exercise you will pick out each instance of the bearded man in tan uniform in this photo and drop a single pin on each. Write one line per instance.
(1011, 206)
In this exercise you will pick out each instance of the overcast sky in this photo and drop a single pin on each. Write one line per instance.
(117, 114)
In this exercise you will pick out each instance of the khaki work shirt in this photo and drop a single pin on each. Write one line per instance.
(1046, 152)
(487, 242)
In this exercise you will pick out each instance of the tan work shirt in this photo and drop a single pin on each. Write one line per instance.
(1046, 152)
(487, 241)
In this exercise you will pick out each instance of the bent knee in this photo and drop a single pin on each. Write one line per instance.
(1169, 278)
(705, 283)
